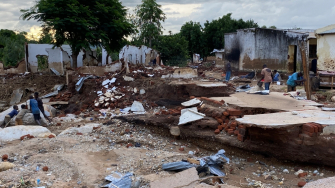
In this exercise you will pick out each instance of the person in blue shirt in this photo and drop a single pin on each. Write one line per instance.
(276, 76)
(13, 113)
(228, 71)
(35, 110)
(293, 80)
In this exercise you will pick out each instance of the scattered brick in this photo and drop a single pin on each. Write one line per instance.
(95, 128)
(301, 175)
(28, 136)
(220, 127)
(220, 121)
(217, 131)
(181, 149)
(59, 124)
(230, 131)
(129, 145)
(236, 132)
(225, 113)
(62, 115)
(5, 157)
(234, 112)
(192, 97)
(242, 127)
(308, 127)
(45, 169)
(51, 136)
(301, 184)
(240, 137)
(242, 132)
(77, 113)
(79, 133)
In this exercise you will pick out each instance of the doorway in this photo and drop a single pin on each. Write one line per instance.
(292, 58)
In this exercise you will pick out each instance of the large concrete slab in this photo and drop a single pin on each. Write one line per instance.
(275, 100)
(284, 119)
(322, 183)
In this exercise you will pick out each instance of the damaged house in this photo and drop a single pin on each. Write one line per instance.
(249, 49)
(138, 55)
(59, 58)
(326, 48)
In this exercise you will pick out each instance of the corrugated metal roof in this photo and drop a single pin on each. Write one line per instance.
(328, 32)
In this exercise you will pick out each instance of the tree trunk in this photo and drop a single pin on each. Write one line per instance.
(150, 42)
(74, 59)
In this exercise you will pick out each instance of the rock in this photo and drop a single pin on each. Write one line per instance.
(28, 119)
(298, 172)
(137, 107)
(322, 174)
(286, 171)
(46, 135)
(6, 166)
(88, 128)
(301, 175)
(185, 179)
(175, 131)
(128, 79)
(333, 99)
(142, 91)
(16, 132)
(301, 184)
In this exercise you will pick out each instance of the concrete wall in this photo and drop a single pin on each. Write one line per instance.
(326, 52)
(105, 61)
(20, 69)
(249, 49)
(136, 55)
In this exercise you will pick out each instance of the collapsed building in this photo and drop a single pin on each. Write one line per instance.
(249, 49)
(138, 55)
(326, 48)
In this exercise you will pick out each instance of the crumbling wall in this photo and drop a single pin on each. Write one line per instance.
(90, 58)
(251, 48)
(326, 52)
(137, 55)
(19, 69)
(55, 59)
(106, 59)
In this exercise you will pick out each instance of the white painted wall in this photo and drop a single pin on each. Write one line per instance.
(104, 55)
(135, 55)
(326, 52)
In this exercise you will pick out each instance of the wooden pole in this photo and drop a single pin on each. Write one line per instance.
(305, 69)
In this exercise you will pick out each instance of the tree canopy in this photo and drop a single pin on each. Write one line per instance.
(149, 17)
(82, 23)
(193, 33)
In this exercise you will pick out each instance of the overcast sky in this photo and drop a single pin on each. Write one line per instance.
(306, 14)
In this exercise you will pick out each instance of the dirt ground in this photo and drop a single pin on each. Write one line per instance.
(84, 160)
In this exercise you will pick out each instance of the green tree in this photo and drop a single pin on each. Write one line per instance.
(264, 27)
(192, 32)
(11, 47)
(82, 23)
(215, 30)
(273, 27)
(150, 15)
(173, 49)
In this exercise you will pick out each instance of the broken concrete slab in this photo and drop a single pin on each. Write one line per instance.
(88, 128)
(190, 116)
(287, 119)
(184, 179)
(137, 107)
(175, 131)
(127, 78)
(15, 132)
(16, 96)
(191, 102)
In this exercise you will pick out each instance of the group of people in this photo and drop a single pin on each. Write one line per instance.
(36, 108)
(268, 76)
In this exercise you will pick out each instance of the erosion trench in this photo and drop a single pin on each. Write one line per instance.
(299, 139)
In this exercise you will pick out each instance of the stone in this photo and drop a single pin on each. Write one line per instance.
(217, 131)
(301, 184)
(28, 119)
(6, 166)
(142, 91)
(181, 149)
(16, 132)
(186, 179)
(301, 175)
(88, 128)
(46, 135)
(286, 171)
(333, 99)
(175, 131)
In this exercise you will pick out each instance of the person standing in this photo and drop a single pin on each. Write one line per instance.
(267, 76)
(228, 71)
(35, 110)
(40, 105)
(293, 80)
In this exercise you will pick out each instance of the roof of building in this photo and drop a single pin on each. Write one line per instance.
(332, 31)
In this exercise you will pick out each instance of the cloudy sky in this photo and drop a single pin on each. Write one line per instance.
(306, 14)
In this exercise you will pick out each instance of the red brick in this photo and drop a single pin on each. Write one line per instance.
(77, 113)
(129, 145)
(309, 133)
(220, 127)
(217, 131)
(230, 131)
(225, 113)
(234, 112)
(181, 149)
(45, 168)
(219, 121)
(240, 137)
(308, 128)
(302, 174)
(236, 132)
(59, 124)
(242, 127)
(227, 121)
(79, 134)
(192, 97)
(5, 157)
(51, 136)
(301, 184)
